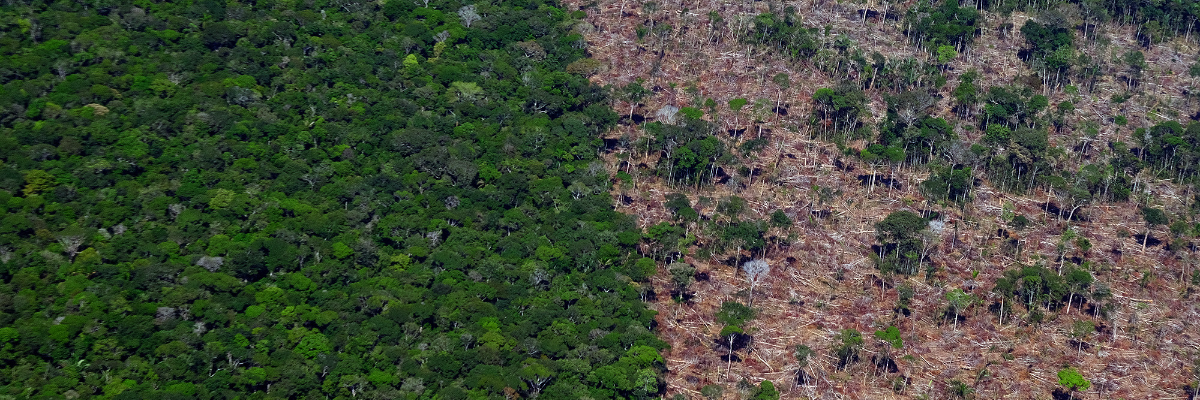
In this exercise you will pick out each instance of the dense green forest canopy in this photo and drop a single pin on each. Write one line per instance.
(311, 199)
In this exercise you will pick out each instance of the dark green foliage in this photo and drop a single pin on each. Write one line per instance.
(900, 242)
(1171, 149)
(967, 93)
(1019, 158)
(910, 131)
(1034, 285)
(846, 346)
(1154, 216)
(838, 109)
(734, 314)
(681, 207)
(1078, 281)
(944, 24)
(780, 220)
(802, 354)
(766, 391)
(746, 235)
(1011, 107)
(691, 151)
(785, 33)
(664, 240)
(209, 199)
(891, 335)
(753, 145)
(1049, 43)
(949, 183)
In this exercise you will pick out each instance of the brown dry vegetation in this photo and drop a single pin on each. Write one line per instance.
(823, 281)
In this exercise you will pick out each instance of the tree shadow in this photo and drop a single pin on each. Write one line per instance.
(740, 341)
(1055, 210)
(880, 180)
(683, 296)
(803, 378)
(1151, 242)
(886, 364)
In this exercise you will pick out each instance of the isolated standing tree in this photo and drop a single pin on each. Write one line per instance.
(756, 271)
(1070, 379)
(633, 93)
(849, 342)
(900, 245)
(1152, 216)
(802, 354)
(736, 105)
(945, 54)
(734, 316)
(779, 219)
(1078, 281)
(892, 340)
(891, 335)
(1080, 331)
(681, 277)
(957, 301)
(1136, 61)
(1196, 377)
(784, 82)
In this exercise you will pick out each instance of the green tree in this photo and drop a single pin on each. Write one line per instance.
(38, 182)
(947, 24)
(966, 94)
(766, 391)
(945, 54)
(633, 93)
(847, 345)
(949, 183)
(1078, 282)
(1049, 42)
(891, 335)
(1080, 331)
(802, 354)
(838, 108)
(780, 220)
(734, 316)
(681, 276)
(1135, 61)
(733, 313)
(1070, 379)
(900, 246)
(1152, 217)
(957, 301)
(736, 106)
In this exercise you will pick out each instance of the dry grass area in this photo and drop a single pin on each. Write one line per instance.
(823, 282)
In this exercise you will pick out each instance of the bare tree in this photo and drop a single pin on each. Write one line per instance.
(441, 36)
(755, 271)
(468, 15)
(212, 264)
(71, 243)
